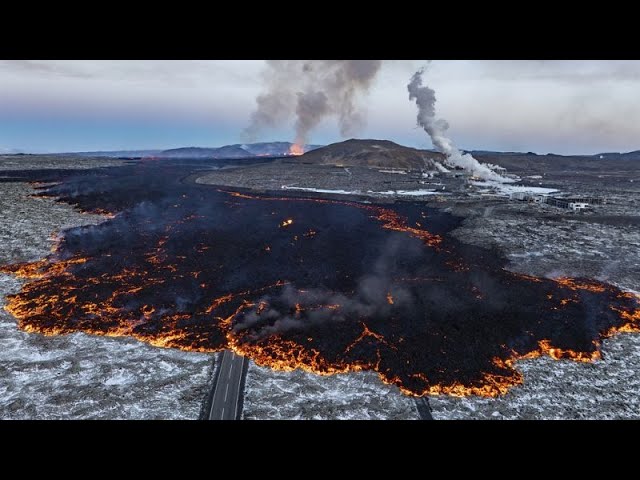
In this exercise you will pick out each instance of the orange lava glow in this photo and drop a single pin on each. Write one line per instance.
(296, 149)
(107, 310)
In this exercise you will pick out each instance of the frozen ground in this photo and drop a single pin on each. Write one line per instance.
(507, 189)
(302, 396)
(607, 389)
(598, 246)
(80, 376)
(410, 193)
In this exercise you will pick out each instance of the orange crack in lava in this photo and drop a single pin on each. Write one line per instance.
(390, 219)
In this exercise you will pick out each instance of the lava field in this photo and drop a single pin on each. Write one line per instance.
(324, 285)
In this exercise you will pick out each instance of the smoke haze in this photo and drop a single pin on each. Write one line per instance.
(311, 91)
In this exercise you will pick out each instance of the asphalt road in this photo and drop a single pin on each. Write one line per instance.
(227, 393)
(424, 409)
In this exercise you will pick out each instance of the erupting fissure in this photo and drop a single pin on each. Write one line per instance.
(296, 149)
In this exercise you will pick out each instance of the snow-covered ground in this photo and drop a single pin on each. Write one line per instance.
(410, 193)
(301, 395)
(508, 189)
(321, 190)
(552, 389)
(79, 375)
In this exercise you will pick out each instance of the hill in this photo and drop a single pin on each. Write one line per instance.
(273, 149)
(112, 153)
(229, 151)
(371, 153)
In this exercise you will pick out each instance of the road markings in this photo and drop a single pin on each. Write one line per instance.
(229, 361)
(235, 410)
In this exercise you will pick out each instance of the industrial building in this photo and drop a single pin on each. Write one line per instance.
(569, 202)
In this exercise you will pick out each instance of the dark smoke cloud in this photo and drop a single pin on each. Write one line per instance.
(312, 90)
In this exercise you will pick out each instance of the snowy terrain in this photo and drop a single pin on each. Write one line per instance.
(552, 389)
(79, 375)
(301, 395)
(507, 189)
(411, 193)
(321, 190)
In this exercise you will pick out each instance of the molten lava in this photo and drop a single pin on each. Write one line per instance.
(296, 149)
(193, 268)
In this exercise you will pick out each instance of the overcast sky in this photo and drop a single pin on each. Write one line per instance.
(540, 106)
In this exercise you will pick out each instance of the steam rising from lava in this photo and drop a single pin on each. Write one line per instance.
(425, 98)
(312, 90)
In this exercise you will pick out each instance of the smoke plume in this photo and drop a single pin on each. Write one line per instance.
(370, 298)
(425, 98)
(312, 91)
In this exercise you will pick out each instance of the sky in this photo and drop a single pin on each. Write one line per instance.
(566, 107)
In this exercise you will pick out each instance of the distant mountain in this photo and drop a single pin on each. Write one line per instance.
(237, 150)
(635, 155)
(11, 151)
(246, 150)
(114, 153)
(377, 153)
(491, 152)
(229, 151)
(551, 162)
(372, 153)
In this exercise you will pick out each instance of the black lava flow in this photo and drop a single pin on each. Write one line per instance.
(319, 285)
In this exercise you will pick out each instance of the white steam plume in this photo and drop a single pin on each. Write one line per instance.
(425, 98)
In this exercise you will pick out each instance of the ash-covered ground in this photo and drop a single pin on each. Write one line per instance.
(78, 375)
